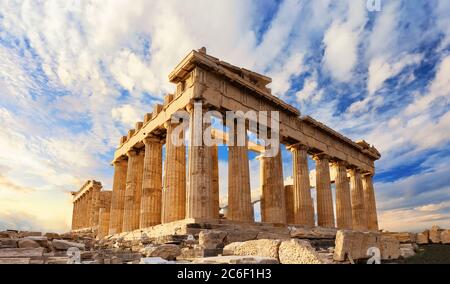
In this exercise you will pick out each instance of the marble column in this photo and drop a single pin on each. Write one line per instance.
(151, 183)
(86, 210)
(289, 195)
(325, 212)
(133, 190)
(118, 196)
(200, 190)
(370, 203)
(174, 192)
(240, 206)
(83, 211)
(89, 209)
(358, 206)
(94, 214)
(303, 205)
(273, 201)
(215, 182)
(104, 214)
(74, 215)
(343, 197)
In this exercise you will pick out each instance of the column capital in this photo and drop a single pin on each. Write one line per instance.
(151, 139)
(132, 153)
(190, 105)
(340, 163)
(170, 123)
(297, 146)
(367, 174)
(321, 156)
(119, 160)
(354, 168)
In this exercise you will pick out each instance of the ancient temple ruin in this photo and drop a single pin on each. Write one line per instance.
(146, 196)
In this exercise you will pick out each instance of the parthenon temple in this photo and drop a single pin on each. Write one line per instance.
(159, 183)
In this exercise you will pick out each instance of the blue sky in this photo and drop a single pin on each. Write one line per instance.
(76, 75)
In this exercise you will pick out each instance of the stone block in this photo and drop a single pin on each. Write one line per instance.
(354, 244)
(24, 234)
(403, 238)
(8, 243)
(298, 252)
(273, 236)
(191, 252)
(236, 260)
(445, 237)
(41, 240)
(25, 243)
(166, 251)
(435, 234)
(64, 245)
(240, 236)
(423, 238)
(389, 247)
(154, 260)
(57, 260)
(263, 248)
(51, 236)
(212, 240)
(14, 261)
(313, 233)
(9, 234)
(22, 252)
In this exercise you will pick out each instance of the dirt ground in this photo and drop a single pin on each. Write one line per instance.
(430, 254)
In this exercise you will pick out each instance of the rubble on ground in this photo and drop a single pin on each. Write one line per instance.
(230, 246)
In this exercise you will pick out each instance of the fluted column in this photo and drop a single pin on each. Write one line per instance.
(95, 195)
(239, 193)
(289, 195)
(151, 183)
(200, 190)
(85, 211)
(174, 192)
(104, 214)
(118, 197)
(89, 208)
(215, 181)
(82, 211)
(74, 215)
(303, 205)
(370, 203)
(273, 202)
(358, 206)
(133, 190)
(325, 213)
(343, 197)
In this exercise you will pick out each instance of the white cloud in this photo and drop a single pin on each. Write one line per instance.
(341, 42)
(126, 114)
(439, 89)
(380, 70)
(310, 91)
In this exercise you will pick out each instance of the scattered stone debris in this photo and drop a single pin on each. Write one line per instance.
(214, 245)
